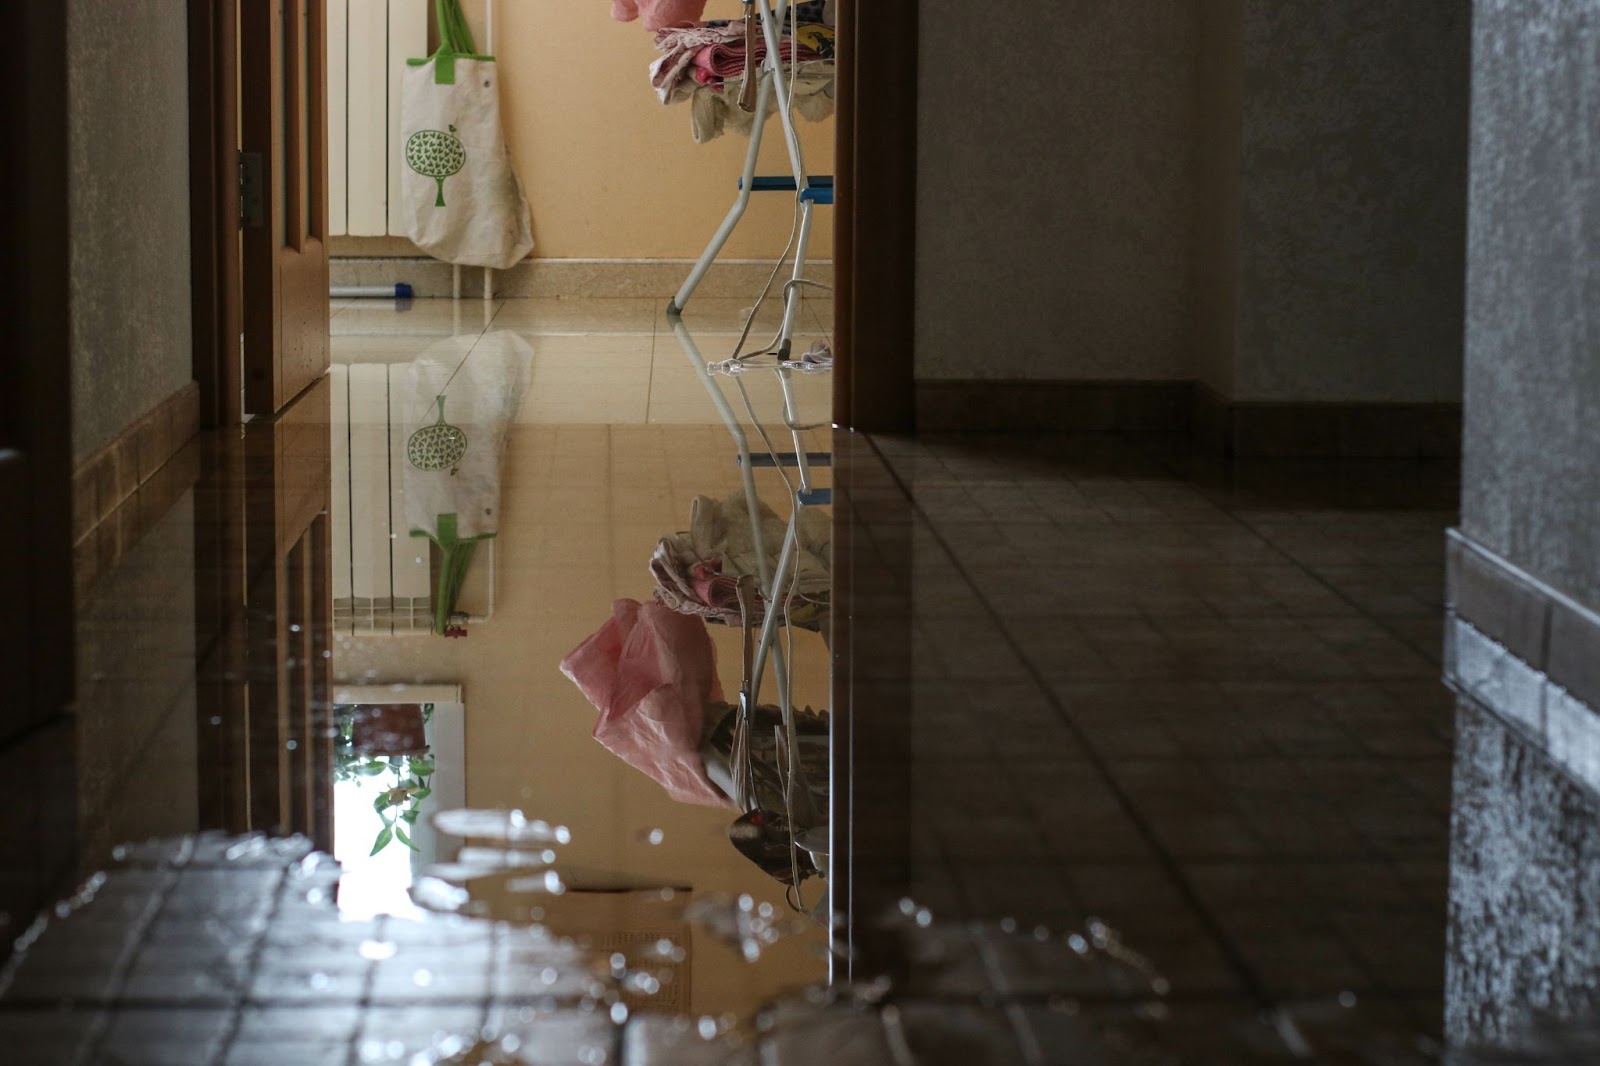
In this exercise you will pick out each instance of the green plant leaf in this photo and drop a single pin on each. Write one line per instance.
(410, 816)
(400, 835)
(422, 793)
(381, 804)
(382, 841)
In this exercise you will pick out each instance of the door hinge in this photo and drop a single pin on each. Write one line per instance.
(251, 214)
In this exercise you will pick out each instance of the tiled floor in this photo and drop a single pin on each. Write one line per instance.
(1137, 758)
(1200, 707)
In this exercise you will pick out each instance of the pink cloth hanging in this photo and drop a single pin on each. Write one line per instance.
(651, 672)
(658, 14)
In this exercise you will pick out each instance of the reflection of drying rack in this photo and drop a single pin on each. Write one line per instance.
(773, 582)
(809, 190)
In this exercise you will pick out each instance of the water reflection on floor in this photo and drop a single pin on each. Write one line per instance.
(606, 436)
(1140, 759)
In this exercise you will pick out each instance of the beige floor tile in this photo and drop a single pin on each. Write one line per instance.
(382, 316)
(575, 345)
(395, 348)
(721, 315)
(549, 315)
(595, 404)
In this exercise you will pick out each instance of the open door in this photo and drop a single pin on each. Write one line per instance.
(283, 199)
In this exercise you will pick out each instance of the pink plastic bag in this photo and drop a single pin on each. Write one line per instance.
(651, 673)
(658, 14)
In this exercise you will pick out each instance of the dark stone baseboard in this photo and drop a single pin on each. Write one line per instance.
(1325, 430)
(121, 489)
(1224, 427)
(978, 406)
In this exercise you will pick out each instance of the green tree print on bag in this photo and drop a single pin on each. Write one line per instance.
(436, 154)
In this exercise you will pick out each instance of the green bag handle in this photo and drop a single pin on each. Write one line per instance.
(455, 42)
(454, 34)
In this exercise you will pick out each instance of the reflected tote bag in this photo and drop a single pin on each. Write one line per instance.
(460, 198)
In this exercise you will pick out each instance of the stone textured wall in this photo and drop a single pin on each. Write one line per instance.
(128, 100)
(1053, 199)
(1352, 227)
(1266, 197)
(1532, 462)
(1524, 843)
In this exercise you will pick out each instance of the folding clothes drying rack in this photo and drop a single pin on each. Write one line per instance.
(811, 190)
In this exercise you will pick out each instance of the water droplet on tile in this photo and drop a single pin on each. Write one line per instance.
(377, 949)
(707, 1027)
(1347, 999)
(652, 837)
(320, 982)
(619, 1013)
(422, 978)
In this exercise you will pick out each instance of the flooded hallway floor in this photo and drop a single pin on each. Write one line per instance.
(1119, 754)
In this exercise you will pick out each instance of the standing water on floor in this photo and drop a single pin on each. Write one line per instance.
(540, 688)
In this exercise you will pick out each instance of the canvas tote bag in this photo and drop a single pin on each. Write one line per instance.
(461, 200)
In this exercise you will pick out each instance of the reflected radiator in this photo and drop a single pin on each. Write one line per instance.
(382, 579)
(369, 42)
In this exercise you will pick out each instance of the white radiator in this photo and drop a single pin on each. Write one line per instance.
(369, 42)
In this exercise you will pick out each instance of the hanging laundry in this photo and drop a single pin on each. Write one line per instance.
(714, 109)
(726, 59)
(652, 675)
(720, 544)
(678, 47)
(658, 14)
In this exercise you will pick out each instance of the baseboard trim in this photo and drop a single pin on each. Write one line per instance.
(1544, 628)
(983, 406)
(1273, 430)
(654, 279)
(1234, 429)
(134, 463)
(1525, 653)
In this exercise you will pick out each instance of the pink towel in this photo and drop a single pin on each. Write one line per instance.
(658, 14)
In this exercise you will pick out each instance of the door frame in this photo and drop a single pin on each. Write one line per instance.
(875, 224)
(36, 630)
(214, 209)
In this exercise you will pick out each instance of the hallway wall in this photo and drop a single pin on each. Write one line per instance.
(1532, 466)
(128, 108)
(1054, 155)
(1266, 198)
(1352, 215)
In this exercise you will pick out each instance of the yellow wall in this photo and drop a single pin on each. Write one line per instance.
(610, 172)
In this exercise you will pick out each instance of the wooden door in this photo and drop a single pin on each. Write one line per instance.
(283, 203)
